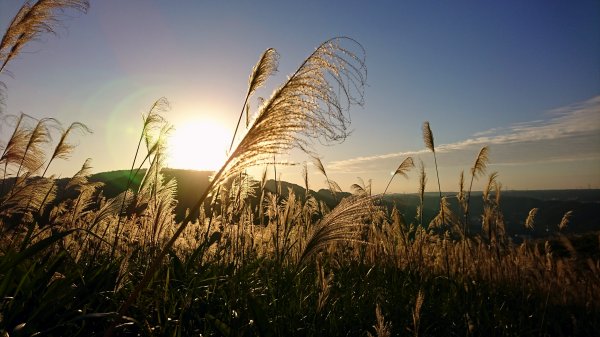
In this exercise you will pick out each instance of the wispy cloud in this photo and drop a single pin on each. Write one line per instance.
(568, 132)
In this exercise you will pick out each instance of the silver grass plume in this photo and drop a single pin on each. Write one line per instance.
(342, 223)
(422, 183)
(402, 169)
(14, 149)
(84, 202)
(319, 165)
(324, 285)
(334, 188)
(154, 121)
(428, 137)
(107, 210)
(80, 178)
(564, 222)
(151, 122)
(445, 217)
(478, 169)
(480, 164)
(382, 328)
(429, 144)
(490, 185)
(310, 105)
(155, 196)
(79, 182)
(305, 178)
(529, 222)
(358, 189)
(498, 192)
(491, 216)
(30, 197)
(33, 156)
(416, 313)
(13, 32)
(102, 217)
(263, 183)
(63, 148)
(461, 190)
(266, 66)
(33, 20)
(156, 151)
(362, 187)
(247, 115)
(160, 210)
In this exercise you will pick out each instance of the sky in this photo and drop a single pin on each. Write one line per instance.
(522, 77)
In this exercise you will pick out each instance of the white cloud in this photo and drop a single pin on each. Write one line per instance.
(568, 132)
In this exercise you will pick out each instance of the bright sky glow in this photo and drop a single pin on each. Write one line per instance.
(198, 145)
(520, 76)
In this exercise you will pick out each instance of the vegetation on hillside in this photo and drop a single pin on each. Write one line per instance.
(93, 264)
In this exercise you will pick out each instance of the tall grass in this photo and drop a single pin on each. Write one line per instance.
(250, 261)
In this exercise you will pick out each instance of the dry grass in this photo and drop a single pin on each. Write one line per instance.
(243, 264)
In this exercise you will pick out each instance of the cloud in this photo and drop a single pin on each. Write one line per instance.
(567, 133)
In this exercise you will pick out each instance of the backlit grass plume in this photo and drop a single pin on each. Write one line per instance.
(402, 169)
(33, 153)
(428, 137)
(342, 223)
(480, 164)
(445, 218)
(64, 148)
(478, 169)
(422, 183)
(33, 20)
(530, 221)
(153, 123)
(312, 104)
(429, 144)
(14, 149)
(334, 188)
(564, 222)
(266, 66)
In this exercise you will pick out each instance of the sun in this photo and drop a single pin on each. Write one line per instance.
(199, 145)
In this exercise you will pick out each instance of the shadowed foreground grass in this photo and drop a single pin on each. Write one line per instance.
(87, 264)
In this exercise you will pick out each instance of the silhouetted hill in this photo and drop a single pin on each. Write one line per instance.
(515, 205)
(190, 185)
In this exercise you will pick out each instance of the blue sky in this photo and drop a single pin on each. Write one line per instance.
(520, 76)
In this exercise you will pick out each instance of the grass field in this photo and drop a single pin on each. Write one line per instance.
(89, 265)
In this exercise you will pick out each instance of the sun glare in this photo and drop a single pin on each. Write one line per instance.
(199, 145)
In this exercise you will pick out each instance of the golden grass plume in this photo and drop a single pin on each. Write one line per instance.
(311, 104)
(480, 164)
(428, 137)
(341, 224)
(530, 221)
(32, 20)
(402, 170)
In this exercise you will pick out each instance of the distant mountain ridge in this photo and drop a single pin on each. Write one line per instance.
(191, 184)
(515, 205)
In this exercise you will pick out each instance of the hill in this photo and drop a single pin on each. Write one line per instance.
(191, 184)
(515, 205)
